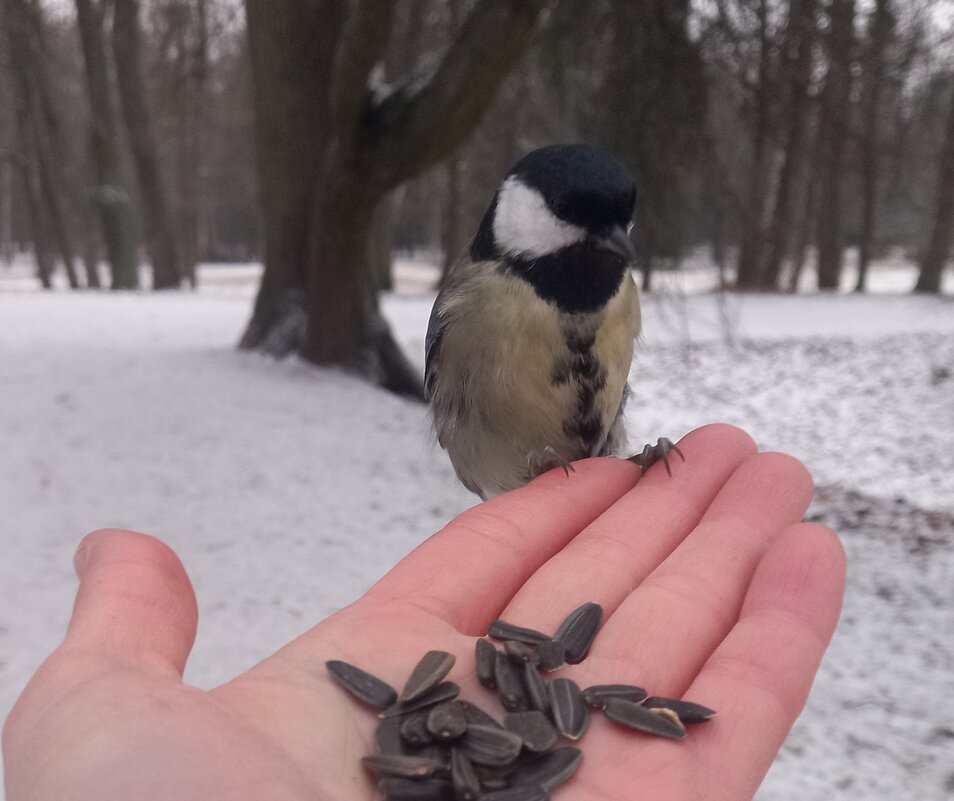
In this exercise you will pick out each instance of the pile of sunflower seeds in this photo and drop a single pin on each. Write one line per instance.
(433, 746)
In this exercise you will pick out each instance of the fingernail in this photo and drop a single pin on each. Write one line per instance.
(81, 558)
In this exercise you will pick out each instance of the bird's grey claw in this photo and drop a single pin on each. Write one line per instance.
(653, 453)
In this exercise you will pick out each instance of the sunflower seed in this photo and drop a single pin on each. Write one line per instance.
(687, 711)
(387, 738)
(520, 652)
(486, 745)
(518, 794)
(536, 689)
(414, 728)
(439, 754)
(509, 685)
(533, 728)
(552, 654)
(578, 630)
(428, 673)
(501, 630)
(463, 777)
(474, 714)
(486, 659)
(362, 685)
(639, 717)
(568, 709)
(447, 721)
(416, 790)
(548, 770)
(405, 767)
(597, 695)
(446, 691)
(494, 777)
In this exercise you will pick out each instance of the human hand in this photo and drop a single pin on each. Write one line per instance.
(711, 588)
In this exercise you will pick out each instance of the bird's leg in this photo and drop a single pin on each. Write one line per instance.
(539, 463)
(653, 453)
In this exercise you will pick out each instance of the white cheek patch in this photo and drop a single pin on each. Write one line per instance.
(524, 226)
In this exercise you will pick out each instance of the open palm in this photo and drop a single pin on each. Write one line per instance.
(712, 591)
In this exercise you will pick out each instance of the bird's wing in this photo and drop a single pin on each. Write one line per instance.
(432, 343)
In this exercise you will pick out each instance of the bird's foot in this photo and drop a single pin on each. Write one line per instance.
(653, 453)
(539, 463)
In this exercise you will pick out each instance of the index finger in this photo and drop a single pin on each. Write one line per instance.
(468, 571)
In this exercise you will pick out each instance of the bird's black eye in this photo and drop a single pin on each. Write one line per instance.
(561, 207)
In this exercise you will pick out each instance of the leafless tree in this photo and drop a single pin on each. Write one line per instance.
(935, 254)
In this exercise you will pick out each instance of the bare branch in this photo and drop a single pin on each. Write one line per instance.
(427, 117)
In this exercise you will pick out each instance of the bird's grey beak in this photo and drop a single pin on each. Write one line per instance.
(617, 241)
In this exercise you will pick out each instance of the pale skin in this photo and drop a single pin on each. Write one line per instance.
(712, 588)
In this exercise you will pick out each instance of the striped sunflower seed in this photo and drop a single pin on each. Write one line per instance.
(533, 728)
(464, 777)
(403, 767)
(474, 714)
(578, 631)
(445, 691)
(518, 794)
(643, 719)
(486, 660)
(548, 770)
(494, 777)
(414, 728)
(538, 697)
(362, 685)
(487, 745)
(428, 673)
(501, 630)
(597, 695)
(509, 685)
(416, 790)
(567, 708)
(687, 711)
(521, 653)
(387, 738)
(447, 721)
(552, 655)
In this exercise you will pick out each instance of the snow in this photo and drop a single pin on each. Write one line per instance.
(135, 410)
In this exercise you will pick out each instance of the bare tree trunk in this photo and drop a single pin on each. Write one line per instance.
(111, 194)
(452, 241)
(291, 47)
(803, 237)
(160, 238)
(833, 137)
(881, 27)
(753, 234)
(376, 143)
(939, 245)
(799, 43)
(39, 122)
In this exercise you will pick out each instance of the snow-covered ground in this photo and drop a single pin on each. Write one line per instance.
(289, 490)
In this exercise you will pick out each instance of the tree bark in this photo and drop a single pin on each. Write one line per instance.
(111, 194)
(39, 124)
(753, 233)
(160, 238)
(880, 33)
(799, 43)
(370, 142)
(939, 245)
(833, 137)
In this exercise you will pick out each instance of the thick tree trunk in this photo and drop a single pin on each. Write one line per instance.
(368, 145)
(938, 248)
(291, 46)
(880, 32)
(799, 42)
(111, 195)
(160, 238)
(833, 138)
(452, 239)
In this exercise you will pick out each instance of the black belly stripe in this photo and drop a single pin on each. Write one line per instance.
(581, 368)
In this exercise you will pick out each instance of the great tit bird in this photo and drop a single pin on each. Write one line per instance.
(530, 340)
